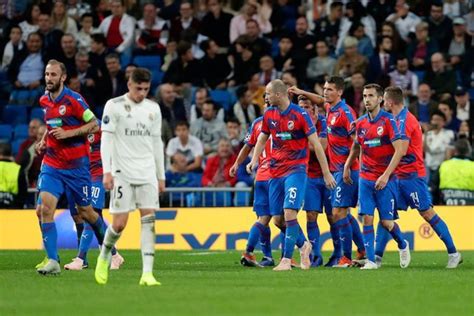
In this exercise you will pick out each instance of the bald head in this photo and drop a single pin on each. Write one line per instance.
(278, 86)
(277, 93)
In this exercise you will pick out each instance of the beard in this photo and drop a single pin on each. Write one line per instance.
(54, 88)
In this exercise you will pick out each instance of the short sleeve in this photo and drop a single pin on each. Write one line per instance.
(349, 122)
(81, 108)
(307, 124)
(322, 127)
(197, 147)
(266, 117)
(251, 139)
(109, 120)
(393, 132)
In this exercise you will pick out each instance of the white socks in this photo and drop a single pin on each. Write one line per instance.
(148, 242)
(110, 239)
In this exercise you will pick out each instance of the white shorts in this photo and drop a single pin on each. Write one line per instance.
(126, 197)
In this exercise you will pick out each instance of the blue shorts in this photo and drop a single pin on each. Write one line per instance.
(384, 200)
(97, 197)
(345, 195)
(287, 193)
(57, 181)
(261, 205)
(317, 196)
(414, 192)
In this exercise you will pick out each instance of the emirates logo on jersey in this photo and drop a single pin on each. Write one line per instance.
(62, 109)
(291, 125)
(380, 130)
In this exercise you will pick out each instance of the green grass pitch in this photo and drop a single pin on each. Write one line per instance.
(214, 283)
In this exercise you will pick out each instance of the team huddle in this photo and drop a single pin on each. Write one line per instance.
(84, 157)
(375, 162)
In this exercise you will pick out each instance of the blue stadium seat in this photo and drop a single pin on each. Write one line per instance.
(30, 97)
(37, 113)
(125, 60)
(20, 131)
(151, 62)
(16, 145)
(242, 199)
(6, 132)
(156, 77)
(420, 74)
(471, 93)
(223, 97)
(15, 114)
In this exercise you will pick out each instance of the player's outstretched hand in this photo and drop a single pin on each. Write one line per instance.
(40, 147)
(329, 181)
(346, 176)
(294, 90)
(381, 182)
(233, 170)
(60, 133)
(161, 186)
(251, 167)
(108, 181)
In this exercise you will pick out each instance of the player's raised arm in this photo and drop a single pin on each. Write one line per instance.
(319, 151)
(259, 147)
(353, 155)
(313, 97)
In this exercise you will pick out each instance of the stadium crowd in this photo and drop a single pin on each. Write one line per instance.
(211, 60)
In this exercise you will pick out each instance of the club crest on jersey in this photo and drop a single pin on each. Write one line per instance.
(291, 125)
(380, 130)
(62, 109)
(91, 138)
(106, 119)
(128, 108)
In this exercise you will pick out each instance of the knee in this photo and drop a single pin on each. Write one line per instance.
(387, 224)
(278, 222)
(311, 216)
(428, 215)
(369, 220)
(264, 220)
(339, 213)
(77, 219)
(330, 219)
(118, 227)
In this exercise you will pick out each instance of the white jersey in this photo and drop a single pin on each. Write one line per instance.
(136, 127)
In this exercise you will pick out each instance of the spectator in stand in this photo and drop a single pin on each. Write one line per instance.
(27, 156)
(351, 61)
(464, 111)
(61, 20)
(283, 14)
(402, 77)
(208, 128)
(356, 13)
(216, 24)
(68, 53)
(244, 110)
(451, 121)
(436, 144)
(200, 97)
(119, 29)
(100, 12)
(152, 33)
(440, 26)
(389, 29)
(77, 8)
(441, 80)
(421, 49)
(216, 172)
(381, 63)
(30, 23)
(267, 70)
(184, 21)
(128, 71)
(187, 145)
(184, 71)
(245, 62)
(235, 134)
(113, 83)
(424, 107)
(83, 37)
(257, 91)
(326, 29)
(260, 46)
(321, 65)
(98, 53)
(380, 10)
(216, 66)
(284, 58)
(26, 68)
(469, 18)
(172, 107)
(250, 10)
(364, 45)
(13, 187)
(178, 176)
(303, 47)
(51, 37)
(454, 8)
(465, 131)
(353, 94)
(87, 78)
(170, 55)
(404, 20)
(459, 44)
(14, 45)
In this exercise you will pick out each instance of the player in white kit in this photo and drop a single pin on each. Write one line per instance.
(133, 163)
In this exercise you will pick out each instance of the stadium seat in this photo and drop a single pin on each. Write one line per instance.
(20, 131)
(6, 132)
(125, 60)
(151, 62)
(30, 97)
(37, 113)
(223, 97)
(156, 77)
(15, 114)
(16, 145)
(242, 199)
(420, 74)
(471, 93)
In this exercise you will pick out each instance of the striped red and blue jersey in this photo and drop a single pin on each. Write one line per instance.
(94, 155)
(340, 121)
(68, 111)
(410, 129)
(375, 137)
(314, 168)
(263, 171)
(289, 131)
